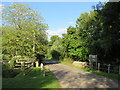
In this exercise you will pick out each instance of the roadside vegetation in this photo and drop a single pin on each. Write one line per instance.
(33, 79)
(110, 75)
(24, 36)
(23, 33)
(95, 33)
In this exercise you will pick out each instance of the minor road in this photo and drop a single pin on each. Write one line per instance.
(70, 77)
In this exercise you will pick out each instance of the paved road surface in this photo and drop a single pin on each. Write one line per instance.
(70, 77)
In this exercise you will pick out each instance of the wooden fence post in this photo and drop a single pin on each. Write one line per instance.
(37, 64)
(32, 64)
(21, 65)
(108, 68)
(98, 66)
(42, 69)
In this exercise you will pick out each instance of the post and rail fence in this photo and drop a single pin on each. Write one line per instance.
(109, 68)
(24, 65)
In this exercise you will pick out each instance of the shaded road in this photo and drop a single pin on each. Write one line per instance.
(70, 77)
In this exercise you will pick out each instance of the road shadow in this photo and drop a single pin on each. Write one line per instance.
(50, 61)
(87, 80)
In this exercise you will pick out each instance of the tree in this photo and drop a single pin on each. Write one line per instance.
(109, 40)
(96, 32)
(55, 48)
(99, 31)
(23, 31)
(53, 39)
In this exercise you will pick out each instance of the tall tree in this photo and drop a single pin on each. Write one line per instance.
(26, 29)
(110, 36)
(55, 48)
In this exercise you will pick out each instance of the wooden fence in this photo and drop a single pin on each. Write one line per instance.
(109, 68)
(23, 64)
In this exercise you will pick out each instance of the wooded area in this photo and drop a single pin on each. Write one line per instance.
(25, 42)
(96, 33)
(23, 32)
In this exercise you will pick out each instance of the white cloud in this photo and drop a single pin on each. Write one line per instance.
(61, 31)
(50, 32)
(1, 6)
(58, 32)
(70, 22)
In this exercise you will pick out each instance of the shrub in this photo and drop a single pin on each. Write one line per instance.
(5, 66)
(7, 72)
(6, 57)
(48, 55)
(55, 54)
(12, 63)
(10, 73)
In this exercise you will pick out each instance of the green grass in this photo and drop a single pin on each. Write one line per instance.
(66, 63)
(34, 79)
(110, 75)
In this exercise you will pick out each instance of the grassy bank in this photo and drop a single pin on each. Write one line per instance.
(34, 79)
(114, 76)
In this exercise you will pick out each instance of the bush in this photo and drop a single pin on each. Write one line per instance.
(55, 54)
(6, 57)
(12, 63)
(7, 72)
(5, 66)
(48, 55)
(10, 73)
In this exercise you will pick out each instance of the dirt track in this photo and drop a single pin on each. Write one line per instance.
(70, 77)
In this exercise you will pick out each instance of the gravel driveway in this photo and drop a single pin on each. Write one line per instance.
(70, 77)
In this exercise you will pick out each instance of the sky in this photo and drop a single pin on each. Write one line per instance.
(58, 15)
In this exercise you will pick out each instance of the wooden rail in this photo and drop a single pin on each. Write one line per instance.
(23, 64)
(108, 68)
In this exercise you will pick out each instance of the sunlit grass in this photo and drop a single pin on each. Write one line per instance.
(110, 75)
(66, 63)
(34, 79)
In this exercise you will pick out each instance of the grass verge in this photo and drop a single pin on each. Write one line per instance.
(110, 75)
(34, 79)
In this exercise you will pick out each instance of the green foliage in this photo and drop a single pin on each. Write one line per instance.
(74, 45)
(48, 55)
(107, 33)
(8, 72)
(53, 39)
(5, 66)
(55, 54)
(71, 30)
(55, 49)
(6, 57)
(23, 31)
(21, 81)
(23, 58)
(12, 63)
(68, 60)
(97, 33)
